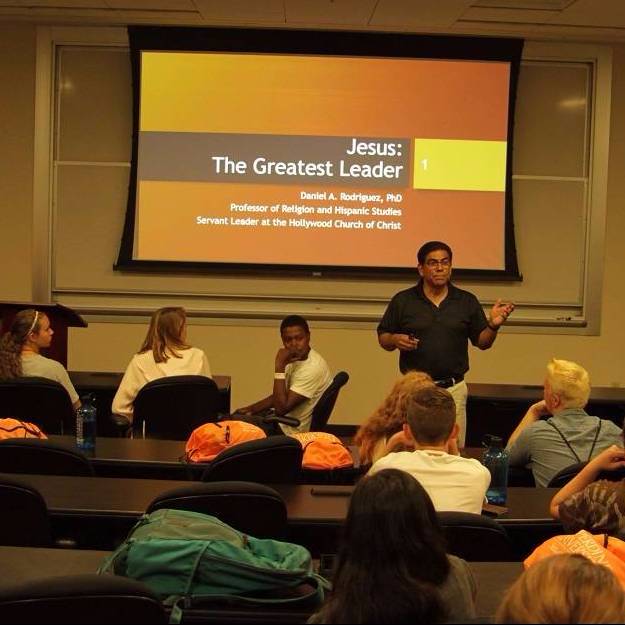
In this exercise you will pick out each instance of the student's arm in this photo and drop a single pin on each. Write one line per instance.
(399, 441)
(285, 400)
(281, 399)
(534, 413)
(123, 402)
(63, 378)
(256, 407)
(608, 460)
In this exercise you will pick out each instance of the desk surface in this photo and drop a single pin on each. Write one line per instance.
(529, 392)
(131, 450)
(111, 379)
(163, 459)
(533, 393)
(306, 504)
(22, 564)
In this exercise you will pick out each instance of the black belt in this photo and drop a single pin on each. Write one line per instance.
(447, 382)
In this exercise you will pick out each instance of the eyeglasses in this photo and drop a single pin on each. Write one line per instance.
(433, 262)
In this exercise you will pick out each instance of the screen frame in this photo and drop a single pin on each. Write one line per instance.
(314, 42)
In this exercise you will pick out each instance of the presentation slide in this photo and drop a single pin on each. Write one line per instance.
(320, 161)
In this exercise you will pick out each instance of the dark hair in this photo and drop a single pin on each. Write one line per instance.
(292, 321)
(392, 556)
(431, 415)
(432, 246)
(12, 342)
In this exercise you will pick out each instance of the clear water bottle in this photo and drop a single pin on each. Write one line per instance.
(496, 461)
(86, 425)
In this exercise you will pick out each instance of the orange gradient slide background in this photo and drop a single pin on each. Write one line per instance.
(320, 96)
(294, 95)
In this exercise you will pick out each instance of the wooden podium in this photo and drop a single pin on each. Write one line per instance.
(60, 317)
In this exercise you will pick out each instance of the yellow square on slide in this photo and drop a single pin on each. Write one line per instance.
(459, 165)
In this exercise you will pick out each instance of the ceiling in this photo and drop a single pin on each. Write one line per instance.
(585, 20)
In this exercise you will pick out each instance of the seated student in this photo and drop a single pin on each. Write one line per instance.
(453, 483)
(565, 588)
(392, 566)
(570, 435)
(165, 352)
(300, 377)
(29, 333)
(390, 417)
(595, 506)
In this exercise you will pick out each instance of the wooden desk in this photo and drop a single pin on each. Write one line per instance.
(139, 458)
(162, 459)
(498, 408)
(23, 564)
(99, 511)
(306, 504)
(104, 385)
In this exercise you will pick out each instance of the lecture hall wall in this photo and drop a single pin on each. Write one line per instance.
(245, 350)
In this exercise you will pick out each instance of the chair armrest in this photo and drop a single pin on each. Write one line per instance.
(274, 418)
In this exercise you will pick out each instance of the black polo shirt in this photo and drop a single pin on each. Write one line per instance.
(442, 330)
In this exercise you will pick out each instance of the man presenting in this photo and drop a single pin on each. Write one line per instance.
(431, 322)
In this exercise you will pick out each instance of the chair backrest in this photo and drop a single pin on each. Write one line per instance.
(172, 407)
(612, 476)
(476, 538)
(41, 401)
(251, 508)
(273, 460)
(86, 598)
(564, 476)
(32, 455)
(323, 408)
(24, 520)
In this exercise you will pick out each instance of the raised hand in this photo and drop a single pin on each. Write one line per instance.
(500, 312)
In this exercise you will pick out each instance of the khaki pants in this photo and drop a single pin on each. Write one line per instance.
(459, 392)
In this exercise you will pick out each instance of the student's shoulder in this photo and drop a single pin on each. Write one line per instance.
(195, 353)
(470, 464)
(141, 360)
(140, 357)
(395, 459)
(611, 427)
(49, 363)
(316, 358)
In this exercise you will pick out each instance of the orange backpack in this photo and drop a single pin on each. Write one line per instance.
(12, 428)
(210, 439)
(323, 451)
(598, 548)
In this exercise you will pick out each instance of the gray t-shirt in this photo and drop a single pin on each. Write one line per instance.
(541, 447)
(36, 365)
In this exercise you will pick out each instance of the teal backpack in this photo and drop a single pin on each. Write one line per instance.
(188, 558)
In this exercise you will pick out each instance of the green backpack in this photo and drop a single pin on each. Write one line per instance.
(188, 557)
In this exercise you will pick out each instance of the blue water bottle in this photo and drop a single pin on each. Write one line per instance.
(86, 425)
(496, 461)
